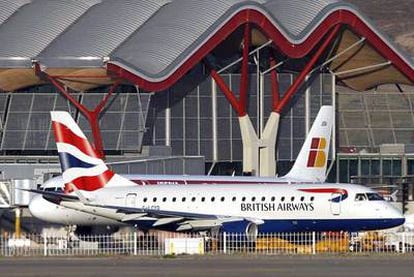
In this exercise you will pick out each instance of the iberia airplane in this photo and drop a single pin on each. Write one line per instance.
(299, 201)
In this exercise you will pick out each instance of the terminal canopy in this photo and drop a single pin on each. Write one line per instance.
(154, 43)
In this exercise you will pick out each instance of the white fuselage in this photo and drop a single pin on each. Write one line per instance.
(283, 206)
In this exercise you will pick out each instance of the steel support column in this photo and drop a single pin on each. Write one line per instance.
(91, 115)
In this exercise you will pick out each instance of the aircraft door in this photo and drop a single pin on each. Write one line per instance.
(336, 203)
(131, 200)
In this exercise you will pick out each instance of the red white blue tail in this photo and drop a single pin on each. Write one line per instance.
(80, 163)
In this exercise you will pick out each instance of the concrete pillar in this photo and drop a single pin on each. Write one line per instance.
(259, 153)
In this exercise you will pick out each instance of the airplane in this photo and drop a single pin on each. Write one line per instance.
(297, 202)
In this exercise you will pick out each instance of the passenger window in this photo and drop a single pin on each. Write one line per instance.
(145, 199)
(282, 199)
(360, 197)
(243, 199)
(273, 199)
(203, 199)
(174, 199)
(164, 199)
(234, 198)
(154, 199)
(312, 198)
(222, 199)
(183, 199)
(212, 199)
(253, 199)
(263, 199)
(292, 198)
(193, 199)
(302, 198)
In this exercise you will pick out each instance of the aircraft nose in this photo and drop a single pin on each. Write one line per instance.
(39, 207)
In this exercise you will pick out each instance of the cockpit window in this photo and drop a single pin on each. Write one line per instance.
(374, 197)
(360, 197)
(50, 189)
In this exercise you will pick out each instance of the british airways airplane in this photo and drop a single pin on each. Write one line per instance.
(297, 202)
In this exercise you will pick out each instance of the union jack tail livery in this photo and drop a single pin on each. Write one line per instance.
(311, 162)
(81, 166)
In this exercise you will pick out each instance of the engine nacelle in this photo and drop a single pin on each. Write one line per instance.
(248, 228)
(88, 232)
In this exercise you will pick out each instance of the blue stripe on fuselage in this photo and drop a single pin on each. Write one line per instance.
(307, 225)
(68, 161)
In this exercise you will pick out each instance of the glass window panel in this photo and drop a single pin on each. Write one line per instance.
(191, 147)
(382, 136)
(206, 128)
(354, 119)
(36, 140)
(110, 140)
(191, 129)
(132, 122)
(177, 130)
(396, 167)
(20, 102)
(205, 107)
(343, 171)
(191, 107)
(376, 102)
(386, 167)
(358, 137)
(116, 103)
(13, 140)
(177, 147)
(39, 121)
(224, 150)
(398, 102)
(402, 120)
(223, 128)
(380, 119)
(43, 103)
(375, 167)
(350, 102)
(130, 141)
(17, 121)
(405, 136)
(365, 166)
(410, 167)
(111, 121)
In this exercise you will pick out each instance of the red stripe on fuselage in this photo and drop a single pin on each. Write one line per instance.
(325, 190)
(64, 135)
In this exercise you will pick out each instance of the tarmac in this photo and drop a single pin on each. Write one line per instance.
(219, 265)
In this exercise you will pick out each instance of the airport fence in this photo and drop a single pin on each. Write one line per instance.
(161, 243)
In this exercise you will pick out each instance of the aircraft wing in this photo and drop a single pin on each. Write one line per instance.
(53, 196)
(134, 216)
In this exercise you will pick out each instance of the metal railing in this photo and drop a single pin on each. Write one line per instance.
(162, 243)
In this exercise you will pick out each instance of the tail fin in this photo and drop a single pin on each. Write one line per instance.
(81, 166)
(311, 162)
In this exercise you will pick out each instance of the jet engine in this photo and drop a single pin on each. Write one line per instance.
(249, 229)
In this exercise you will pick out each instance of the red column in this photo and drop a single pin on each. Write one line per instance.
(244, 79)
(298, 81)
(91, 115)
(239, 105)
(275, 85)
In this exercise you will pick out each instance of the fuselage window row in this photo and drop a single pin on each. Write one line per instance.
(222, 199)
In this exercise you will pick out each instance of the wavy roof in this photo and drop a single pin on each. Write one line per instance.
(153, 43)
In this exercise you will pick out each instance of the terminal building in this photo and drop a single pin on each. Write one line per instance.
(204, 87)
